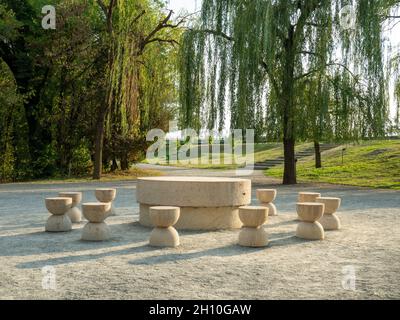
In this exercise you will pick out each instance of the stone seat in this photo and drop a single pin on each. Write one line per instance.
(58, 221)
(59, 205)
(309, 228)
(308, 196)
(331, 204)
(266, 195)
(73, 213)
(96, 229)
(252, 233)
(164, 234)
(310, 211)
(330, 221)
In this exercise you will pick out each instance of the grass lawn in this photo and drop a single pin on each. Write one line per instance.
(119, 175)
(373, 164)
(262, 151)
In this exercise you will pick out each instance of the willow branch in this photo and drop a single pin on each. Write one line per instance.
(171, 41)
(102, 6)
(271, 76)
(327, 65)
(214, 32)
(160, 26)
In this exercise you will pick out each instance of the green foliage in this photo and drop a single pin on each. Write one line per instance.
(8, 24)
(81, 162)
(279, 59)
(14, 153)
(54, 84)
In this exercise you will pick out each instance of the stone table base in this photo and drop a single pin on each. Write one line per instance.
(199, 218)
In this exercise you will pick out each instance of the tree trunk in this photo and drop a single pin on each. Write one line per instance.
(98, 151)
(318, 162)
(287, 107)
(114, 165)
(289, 174)
(124, 162)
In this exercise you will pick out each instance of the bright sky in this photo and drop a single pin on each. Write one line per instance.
(189, 5)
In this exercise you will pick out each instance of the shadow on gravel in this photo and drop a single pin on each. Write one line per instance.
(280, 239)
(82, 258)
(45, 242)
(285, 239)
(231, 250)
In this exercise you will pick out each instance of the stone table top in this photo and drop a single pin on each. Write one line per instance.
(194, 191)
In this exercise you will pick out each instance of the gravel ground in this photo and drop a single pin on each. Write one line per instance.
(208, 265)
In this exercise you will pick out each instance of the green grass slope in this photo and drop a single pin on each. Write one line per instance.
(374, 164)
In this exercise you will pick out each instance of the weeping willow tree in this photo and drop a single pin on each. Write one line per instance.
(245, 59)
(131, 28)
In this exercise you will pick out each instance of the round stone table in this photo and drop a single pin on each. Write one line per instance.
(206, 203)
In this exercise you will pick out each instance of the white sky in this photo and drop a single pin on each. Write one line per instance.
(189, 5)
(192, 5)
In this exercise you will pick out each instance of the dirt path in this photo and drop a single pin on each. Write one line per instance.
(208, 265)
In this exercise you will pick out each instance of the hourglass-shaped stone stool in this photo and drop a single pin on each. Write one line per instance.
(266, 196)
(74, 213)
(164, 234)
(58, 221)
(252, 233)
(308, 196)
(309, 228)
(96, 229)
(330, 221)
(107, 196)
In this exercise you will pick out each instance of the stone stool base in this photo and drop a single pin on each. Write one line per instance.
(310, 231)
(58, 224)
(164, 237)
(96, 232)
(199, 218)
(271, 209)
(75, 215)
(253, 237)
(112, 211)
(330, 222)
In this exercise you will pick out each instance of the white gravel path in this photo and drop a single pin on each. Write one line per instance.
(208, 265)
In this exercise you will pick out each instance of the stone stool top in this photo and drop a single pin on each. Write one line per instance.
(253, 216)
(96, 212)
(164, 216)
(105, 195)
(266, 195)
(75, 196)
(331, 204)
(310, 211)
(308, 196)
(58, 205)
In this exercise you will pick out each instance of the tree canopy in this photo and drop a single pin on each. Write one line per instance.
(99, 68)
(283, 67)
